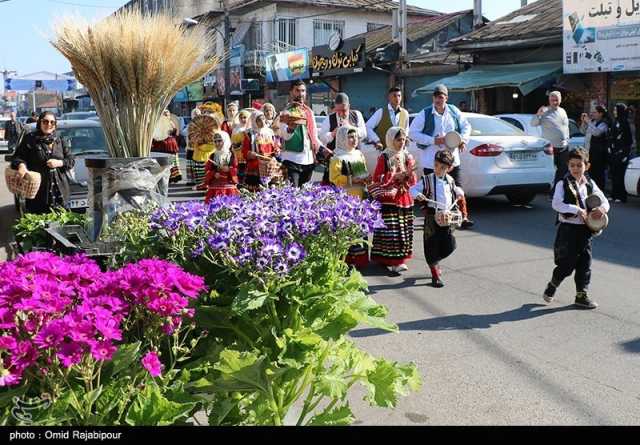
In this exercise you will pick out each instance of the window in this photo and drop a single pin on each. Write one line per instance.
(512, 121)
(492, 126)
(322, 30)
(286, 32)
(374, 26)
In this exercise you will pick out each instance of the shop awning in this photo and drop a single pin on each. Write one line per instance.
(524, 76)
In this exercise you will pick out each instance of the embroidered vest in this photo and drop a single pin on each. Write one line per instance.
(385, 123)
(430, 120)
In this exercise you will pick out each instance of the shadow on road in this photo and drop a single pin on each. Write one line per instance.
(618, 244)
(468, 322)
(631, 345)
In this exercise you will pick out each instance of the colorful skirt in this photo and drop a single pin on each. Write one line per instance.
(175, 175)
(393, 244)
(222, 189)
(197, 171)
(358, 255)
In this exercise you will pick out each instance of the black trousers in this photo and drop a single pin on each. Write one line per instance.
(618, 170)
(298, 174)
(438, 242)
(560, 159)
(572, 252)
(598, 159)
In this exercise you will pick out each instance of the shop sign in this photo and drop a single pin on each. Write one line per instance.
(288, 66)
(347, 58)
(601, 36)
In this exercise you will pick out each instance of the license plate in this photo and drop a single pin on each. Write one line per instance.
(78, 203)
(523, 156)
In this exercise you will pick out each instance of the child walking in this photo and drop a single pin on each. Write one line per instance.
(439, 192)
(572, 248)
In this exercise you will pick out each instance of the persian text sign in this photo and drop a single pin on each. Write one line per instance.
(350, 58)
(601, 36)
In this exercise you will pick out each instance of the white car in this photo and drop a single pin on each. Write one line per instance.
(632, 177)
(3, 142)
(523, 122)
(499, 160)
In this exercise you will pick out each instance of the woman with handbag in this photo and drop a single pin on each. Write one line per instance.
(393, 177)
(44, 152)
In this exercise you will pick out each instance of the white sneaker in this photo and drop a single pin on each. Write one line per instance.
(402, 267)
(391, 268)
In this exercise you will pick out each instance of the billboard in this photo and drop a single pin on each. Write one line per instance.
(285, 67)
(347, 57)
(236, 59)
(600, 36)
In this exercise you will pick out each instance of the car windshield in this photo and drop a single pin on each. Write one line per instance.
(70, 116)
(490, 126)
(84, 139)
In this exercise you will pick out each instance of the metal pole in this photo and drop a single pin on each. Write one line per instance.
(33, 93)
(227, 60)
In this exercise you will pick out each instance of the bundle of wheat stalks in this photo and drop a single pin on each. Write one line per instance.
(132, 65)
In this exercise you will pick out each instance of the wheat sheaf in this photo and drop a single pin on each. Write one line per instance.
(132, 65)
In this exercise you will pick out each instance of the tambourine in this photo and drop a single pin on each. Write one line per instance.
(452, 140)
(449, 218)
(596, 225)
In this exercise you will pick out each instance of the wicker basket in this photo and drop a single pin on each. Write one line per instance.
(26, 186)
(270, 168)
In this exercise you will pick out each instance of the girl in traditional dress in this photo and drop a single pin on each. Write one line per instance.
(348, 170)
(222, 168)
(258, 144)
(231, 119)
(395, 174)
(237, 140)
(203, 147)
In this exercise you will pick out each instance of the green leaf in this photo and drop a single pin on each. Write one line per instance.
(365, 310)
(332, 385)
(248, 299)
(122, 360)
(390, 380)
(152, 408)
(241, 370)
(7, 395)
(213, 317)
(335, 416)
(221, 409)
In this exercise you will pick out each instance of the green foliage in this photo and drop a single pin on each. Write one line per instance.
(29, 230)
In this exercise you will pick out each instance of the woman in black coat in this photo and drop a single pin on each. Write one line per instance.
(620, 151)
(44, 152)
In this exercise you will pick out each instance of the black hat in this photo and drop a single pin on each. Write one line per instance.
(341, 99)
(440, 89)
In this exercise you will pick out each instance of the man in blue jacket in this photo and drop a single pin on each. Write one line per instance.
(428, 130)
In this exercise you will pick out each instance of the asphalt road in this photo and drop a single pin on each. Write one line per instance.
(489, 350)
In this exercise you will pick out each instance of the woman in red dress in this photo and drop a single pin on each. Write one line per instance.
(395, 174)
(221, 168)
(258, 145)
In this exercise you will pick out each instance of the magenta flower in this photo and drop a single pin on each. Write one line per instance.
(152, 364)
(102, 350)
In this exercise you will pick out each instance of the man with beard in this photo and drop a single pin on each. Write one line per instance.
(299, 135)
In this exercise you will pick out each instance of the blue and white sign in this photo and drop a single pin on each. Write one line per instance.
(601, 36)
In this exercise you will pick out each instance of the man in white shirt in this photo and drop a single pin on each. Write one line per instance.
(300, 141)
(393, 115)
(428, 131)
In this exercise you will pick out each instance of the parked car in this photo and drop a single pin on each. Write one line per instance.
(78, 115)
(4, 145)
(523, 122)
(632, 177)
(86, 139)
(500, 159)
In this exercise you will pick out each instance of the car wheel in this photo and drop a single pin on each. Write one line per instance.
(521, 198)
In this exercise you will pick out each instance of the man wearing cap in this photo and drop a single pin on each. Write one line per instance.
(393, 115)
(428, 130)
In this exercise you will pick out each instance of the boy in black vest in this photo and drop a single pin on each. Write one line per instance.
(441, 191)
(572, 248)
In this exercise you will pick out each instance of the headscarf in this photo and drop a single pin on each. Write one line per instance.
(342, 150)
(397, 159)
(39, 135)
(222, 157)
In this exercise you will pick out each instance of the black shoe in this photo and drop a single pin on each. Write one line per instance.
(582, 300)
(437, 282)
(466, 224)
(549, 292)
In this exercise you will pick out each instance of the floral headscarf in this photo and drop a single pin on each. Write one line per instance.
(397, 159)
(342, 150)
(222, 157)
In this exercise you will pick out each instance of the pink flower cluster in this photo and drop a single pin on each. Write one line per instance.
(58, 310)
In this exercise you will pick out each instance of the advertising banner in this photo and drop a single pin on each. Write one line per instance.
(601, 36)
(347, 58)
(285, 67)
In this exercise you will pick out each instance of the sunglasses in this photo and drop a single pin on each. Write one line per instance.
(48, 122)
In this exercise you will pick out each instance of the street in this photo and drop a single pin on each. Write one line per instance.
(490, 351)
(488, 348)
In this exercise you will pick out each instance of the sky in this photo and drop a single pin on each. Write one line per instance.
(26, 24)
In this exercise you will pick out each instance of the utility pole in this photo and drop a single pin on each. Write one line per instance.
(227, 58)
(402, 28)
